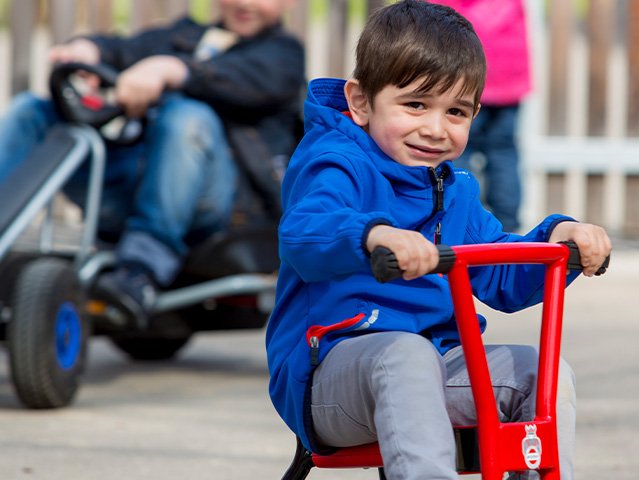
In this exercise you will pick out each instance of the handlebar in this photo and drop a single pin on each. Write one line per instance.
(385, 266)
(71, 102)
(94, 108)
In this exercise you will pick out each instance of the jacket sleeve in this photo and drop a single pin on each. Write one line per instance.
(509, 288)
(122, 52)
(321, 232)
(257, 74)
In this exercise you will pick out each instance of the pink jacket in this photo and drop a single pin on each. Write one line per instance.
(501, 27)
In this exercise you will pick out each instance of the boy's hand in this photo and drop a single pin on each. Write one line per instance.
(593, 243)
(142, 84)
(415, 255)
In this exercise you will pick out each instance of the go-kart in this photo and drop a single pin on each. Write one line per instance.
(48, 315)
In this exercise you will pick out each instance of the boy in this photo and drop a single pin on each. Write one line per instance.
(228, 87)
(383, 362)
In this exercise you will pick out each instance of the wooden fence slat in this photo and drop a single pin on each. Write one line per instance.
(600, 31)
(631, 220)
(146, 13)
(561, 25)
(298, 20)
(23, 20)
(632, 45)
(100, 16)
(338, 24)
(62, 19)
(595, 199)
(177, 8)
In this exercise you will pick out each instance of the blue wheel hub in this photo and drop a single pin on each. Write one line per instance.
(68, 336)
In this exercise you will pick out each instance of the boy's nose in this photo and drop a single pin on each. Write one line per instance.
(433, 126)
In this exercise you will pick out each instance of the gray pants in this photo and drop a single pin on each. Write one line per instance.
(395, 388)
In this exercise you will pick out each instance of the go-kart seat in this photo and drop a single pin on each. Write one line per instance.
(33, 178)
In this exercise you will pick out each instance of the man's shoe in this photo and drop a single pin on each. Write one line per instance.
(132, 289)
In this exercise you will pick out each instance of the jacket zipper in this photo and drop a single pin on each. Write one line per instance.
(438, 183)
(439, 190)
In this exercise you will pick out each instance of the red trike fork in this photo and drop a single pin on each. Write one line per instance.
(513, 446)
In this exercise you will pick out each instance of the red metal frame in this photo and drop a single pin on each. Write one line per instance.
(502, 446)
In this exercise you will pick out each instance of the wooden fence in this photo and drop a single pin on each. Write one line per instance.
(579, 132)
(581, 143)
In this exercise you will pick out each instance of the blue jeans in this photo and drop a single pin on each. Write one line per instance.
(161, 195)
(493, 135)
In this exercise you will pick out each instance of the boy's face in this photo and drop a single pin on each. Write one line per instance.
(249, 17)
(416, 129)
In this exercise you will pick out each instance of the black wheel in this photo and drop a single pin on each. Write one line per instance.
(48, 334)
(11, 266)
(149, 347)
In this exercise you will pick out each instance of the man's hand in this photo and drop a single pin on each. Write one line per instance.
(78, 50)
(142, 84)
(593, 243)
(415, 255)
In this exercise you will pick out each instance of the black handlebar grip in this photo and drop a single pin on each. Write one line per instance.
(574, 259)
(385, 267)
(447, 259)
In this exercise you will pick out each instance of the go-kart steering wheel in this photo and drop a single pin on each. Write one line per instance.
(77, 102)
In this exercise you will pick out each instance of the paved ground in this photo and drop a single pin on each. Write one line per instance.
(207, 414)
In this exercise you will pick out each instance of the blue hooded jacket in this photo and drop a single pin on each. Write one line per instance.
(339, 184)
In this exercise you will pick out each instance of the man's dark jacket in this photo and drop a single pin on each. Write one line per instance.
(254, 86)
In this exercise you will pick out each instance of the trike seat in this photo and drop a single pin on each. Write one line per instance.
(369, 456)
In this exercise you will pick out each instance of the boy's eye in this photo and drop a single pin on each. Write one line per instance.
(458, 112)
(415, 105)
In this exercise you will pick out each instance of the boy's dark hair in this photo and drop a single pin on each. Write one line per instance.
(411, 40)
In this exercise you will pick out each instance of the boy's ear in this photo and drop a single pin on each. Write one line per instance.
(477, 110)
(358, 104)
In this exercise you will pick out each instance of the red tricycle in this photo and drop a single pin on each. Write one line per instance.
(491, 447)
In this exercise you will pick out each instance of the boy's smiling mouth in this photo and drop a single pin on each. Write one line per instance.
(424, 150)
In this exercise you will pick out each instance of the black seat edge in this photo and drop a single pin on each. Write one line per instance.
(30, 175)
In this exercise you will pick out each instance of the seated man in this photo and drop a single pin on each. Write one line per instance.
(224, 96)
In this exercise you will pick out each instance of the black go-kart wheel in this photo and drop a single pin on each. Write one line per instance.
(48, 334)
(166, 335)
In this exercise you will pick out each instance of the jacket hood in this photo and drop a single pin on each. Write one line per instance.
(325, 107)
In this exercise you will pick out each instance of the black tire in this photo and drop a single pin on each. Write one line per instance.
(149, 347)
(48, 334)
(10, 268)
